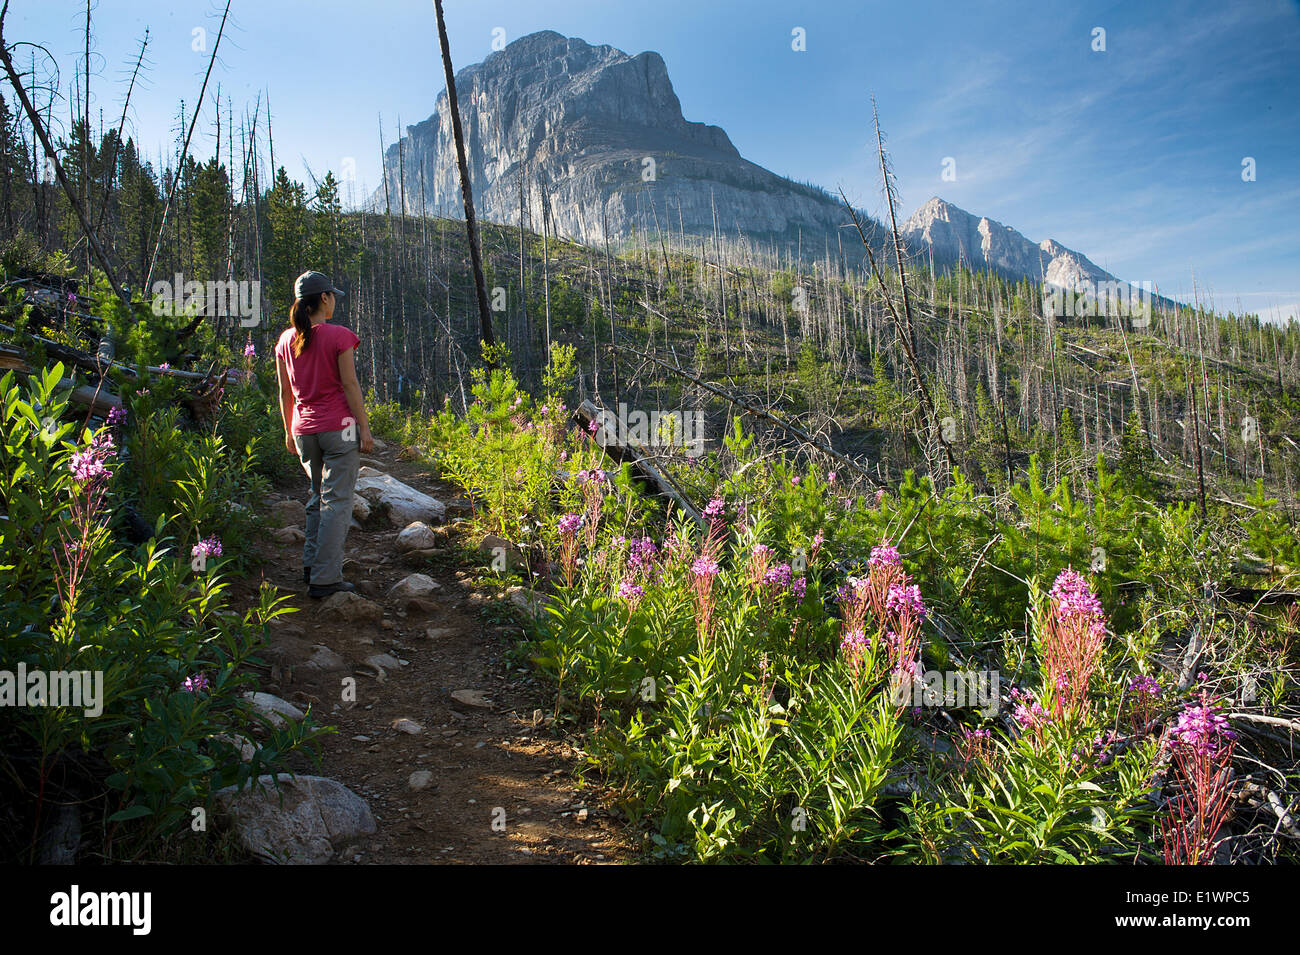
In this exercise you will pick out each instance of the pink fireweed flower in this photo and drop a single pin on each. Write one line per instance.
(880, 497)
(703, 572)
(90, 475)
(713, 513)
(569, 526)
(852, 598)
(207, 547)
(830, 478)
(884, 556)
(885, 571)
(760, 559)
(704, 567)
(798, 587)
(906, 610)
(642, 555)
(90, 465)
(116, 416)
(1144, 701)
(1029, 714)
(905, 601)
(1072, 637)
(594, 485)
(593, 427)
(631, 593)
(778, 578)
(854, 648)
(249, 350)
(86, 468)
(1201, 729)
(795, 480)
(901, 654)
(975, 749)
(196, 683)
(818, 540)
(1202, 746)
(1072, 597)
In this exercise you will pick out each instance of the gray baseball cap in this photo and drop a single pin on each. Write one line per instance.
(310, 283)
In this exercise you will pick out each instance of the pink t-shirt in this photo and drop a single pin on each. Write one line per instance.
(319, 401)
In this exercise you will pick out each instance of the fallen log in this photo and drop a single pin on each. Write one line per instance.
(100, 401)
(95, 363)
(642, 462)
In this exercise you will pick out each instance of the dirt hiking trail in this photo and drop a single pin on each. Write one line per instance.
(481, 777)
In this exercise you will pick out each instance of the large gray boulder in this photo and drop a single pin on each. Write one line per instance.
(305, 822)
(273, 708)
(403, 503)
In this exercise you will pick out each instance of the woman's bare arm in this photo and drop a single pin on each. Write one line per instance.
(286, 404)
(352, 389)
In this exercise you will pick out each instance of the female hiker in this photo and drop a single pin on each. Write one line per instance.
(324, 423)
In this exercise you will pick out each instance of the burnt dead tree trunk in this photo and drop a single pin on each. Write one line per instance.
(471, 229)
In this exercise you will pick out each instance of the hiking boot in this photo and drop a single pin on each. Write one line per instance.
(325, 590)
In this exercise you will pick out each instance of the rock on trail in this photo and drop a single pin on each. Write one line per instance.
(403, 503)
(305, 822)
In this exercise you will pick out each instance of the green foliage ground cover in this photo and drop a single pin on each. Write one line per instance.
(711, 670)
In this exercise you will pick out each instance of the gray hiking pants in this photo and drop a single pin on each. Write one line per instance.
(332, 463)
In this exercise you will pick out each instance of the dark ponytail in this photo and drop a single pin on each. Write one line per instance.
(300, 317)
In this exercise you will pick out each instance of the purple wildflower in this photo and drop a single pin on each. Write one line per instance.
(884, 556)
(1145, 686)
(1072, 598)
(1029, 713)
(905, 601)
(90, 465)
(208, 547)
(704, 567)
(778, 577)
(195, 683)
(854, 642)
(1201, 729)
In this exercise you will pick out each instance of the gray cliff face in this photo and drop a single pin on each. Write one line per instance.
(582, 121)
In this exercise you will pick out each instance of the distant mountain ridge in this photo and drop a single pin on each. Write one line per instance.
(956, 237)
(601, 134)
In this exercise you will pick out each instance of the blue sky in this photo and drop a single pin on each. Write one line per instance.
(1132, 156)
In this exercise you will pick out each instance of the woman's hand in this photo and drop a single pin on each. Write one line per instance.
(289, 445)
(367, 441)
